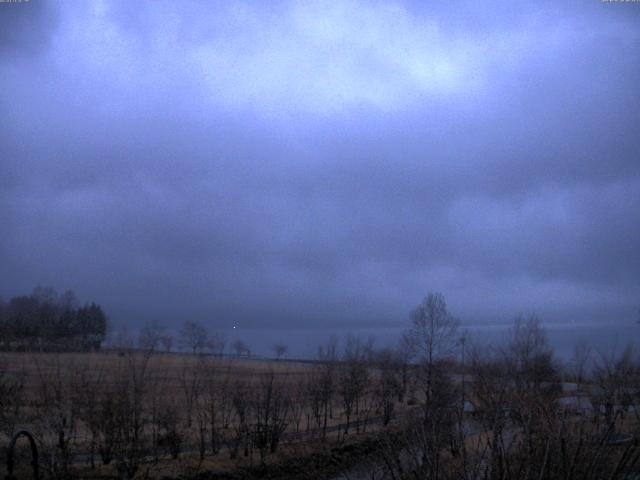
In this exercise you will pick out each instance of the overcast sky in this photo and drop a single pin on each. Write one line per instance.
(323, 163)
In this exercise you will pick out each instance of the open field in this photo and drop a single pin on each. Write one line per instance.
(167, 367)
(162, 412)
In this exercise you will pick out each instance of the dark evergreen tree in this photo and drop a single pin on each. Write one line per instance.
(44, 320)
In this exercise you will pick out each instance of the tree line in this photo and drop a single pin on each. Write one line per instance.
(46, 321)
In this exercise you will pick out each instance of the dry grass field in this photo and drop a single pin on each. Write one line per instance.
(165, 413)
(166, 367)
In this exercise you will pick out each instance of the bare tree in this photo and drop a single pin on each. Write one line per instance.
(280, 350)
(171, 433)
(271, 405)
(402, 356)
(191, 383)
(387, 384)
(432, 335)
(193, 336)
(322, 385)
(58, 407)
(216, 343)
(167, 342)
(225, 406)
(212, 408)
(89, 394)
(151, 336)
(618, 381)
(492, 391)
(128, 411)
(122, 340)
(353, 377)
(433, 330)
(241, 400)
(241, 348)
(580, 361)
(530, 356)
(103, 424)
(528, 436)
(12, 398)
(299, 402)
(157, 386)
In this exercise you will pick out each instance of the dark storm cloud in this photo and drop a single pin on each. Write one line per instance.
(27, 29)
(317, 164)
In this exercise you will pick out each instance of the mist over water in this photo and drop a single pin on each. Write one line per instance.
(605, 338)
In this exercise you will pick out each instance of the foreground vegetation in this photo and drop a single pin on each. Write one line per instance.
(435, 407)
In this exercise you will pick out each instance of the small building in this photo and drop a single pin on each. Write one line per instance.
(577, 404)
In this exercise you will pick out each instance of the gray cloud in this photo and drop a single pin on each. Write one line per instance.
(26, 29)
(313, 166)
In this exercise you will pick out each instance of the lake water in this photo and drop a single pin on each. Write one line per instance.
(604, 338)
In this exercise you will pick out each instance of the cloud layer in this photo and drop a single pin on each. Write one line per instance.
(317, 164)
